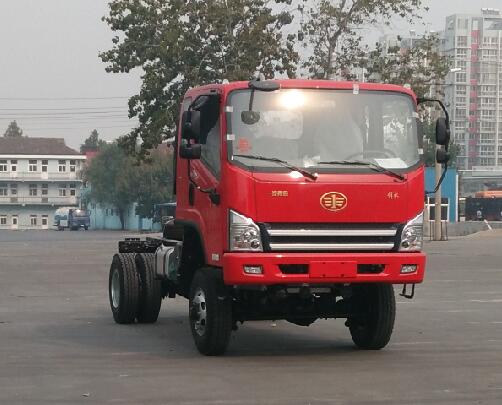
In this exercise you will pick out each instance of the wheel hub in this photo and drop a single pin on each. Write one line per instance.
(115, 289)
(198, 312)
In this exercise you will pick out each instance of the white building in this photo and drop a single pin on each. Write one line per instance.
(474, 89)
(37, 176)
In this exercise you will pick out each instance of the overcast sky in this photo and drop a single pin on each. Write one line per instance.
(53, 83)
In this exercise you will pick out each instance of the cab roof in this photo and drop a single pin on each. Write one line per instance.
(306, 84)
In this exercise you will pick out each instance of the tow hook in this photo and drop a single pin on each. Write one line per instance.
(405, 293)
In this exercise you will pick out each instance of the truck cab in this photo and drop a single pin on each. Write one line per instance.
(296, 200)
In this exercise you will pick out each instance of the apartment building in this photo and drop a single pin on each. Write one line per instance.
(473, 89)
(37, 176)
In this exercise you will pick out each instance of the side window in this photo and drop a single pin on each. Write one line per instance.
(211, 150)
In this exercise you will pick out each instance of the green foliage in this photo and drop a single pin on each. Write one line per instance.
(423, 67)
(13, 131)
(92, 143)
(118, 180)
(332, 30)
(156, 183)
(180, 44)
(425, 70)
(113, 179)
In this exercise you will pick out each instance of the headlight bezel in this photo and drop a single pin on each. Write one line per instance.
(244, 235)
(412, 235)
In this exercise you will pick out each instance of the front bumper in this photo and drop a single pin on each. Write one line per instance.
(322, 268)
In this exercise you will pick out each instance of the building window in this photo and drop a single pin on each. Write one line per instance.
(62, 190)
(3, 165)
(73, 189)
(33, 220)
(45, 164)
(45, 220)
(3, 219)
(45, 189)
(62, 166)
(462, 41)
(13, 165)
(14, 220)
(73, 166)
(32, 167)
(13, 189)
(33, 190)
(3, 190)
(461, 77)
(461, 53)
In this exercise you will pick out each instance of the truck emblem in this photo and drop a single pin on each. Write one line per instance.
(333, 201)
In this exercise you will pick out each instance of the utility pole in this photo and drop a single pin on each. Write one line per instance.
(438, 228)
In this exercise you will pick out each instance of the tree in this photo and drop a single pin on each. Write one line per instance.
(422, 66)
(424, 69)
(332, 30)
(13, 131)
(113, 179)
(180, 44)
(156, 185)
(92, 143)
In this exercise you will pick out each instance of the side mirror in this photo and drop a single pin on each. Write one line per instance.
(192, 152)
(442, 156)
(191, 125)
(250, 117)
(442, 132)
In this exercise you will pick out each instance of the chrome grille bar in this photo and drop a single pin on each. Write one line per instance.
(331, 246)
(332, 232)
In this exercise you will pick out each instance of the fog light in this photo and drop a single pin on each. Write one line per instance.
(253, 270)
(409, 268)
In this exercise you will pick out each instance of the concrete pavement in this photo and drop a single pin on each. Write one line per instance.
(59, 344)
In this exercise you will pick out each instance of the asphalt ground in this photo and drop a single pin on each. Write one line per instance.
(59, 344)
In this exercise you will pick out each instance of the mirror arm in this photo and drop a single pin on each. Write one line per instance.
(422, 100)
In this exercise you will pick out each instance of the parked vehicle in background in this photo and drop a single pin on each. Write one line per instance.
(480, 209)
(164, 212)
(71, 218)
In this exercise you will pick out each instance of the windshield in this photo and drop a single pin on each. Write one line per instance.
(311, 128)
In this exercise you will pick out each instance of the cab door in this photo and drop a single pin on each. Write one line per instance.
(198, 188)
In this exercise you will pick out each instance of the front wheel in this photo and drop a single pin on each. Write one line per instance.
(374, 312)
(210, 311)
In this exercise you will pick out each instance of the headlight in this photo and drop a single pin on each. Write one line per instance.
(244, 235)
(413, 235)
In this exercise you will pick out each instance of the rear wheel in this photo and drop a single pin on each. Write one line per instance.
(150, 297)
(123, 288)
(374, 309)
(210, 312)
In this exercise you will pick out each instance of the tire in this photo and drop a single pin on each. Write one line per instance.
(210, 309)
(375, 308)
(123, 288)
(86, 228)
(150, 296)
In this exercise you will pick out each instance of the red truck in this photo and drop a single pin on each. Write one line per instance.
(296, 200)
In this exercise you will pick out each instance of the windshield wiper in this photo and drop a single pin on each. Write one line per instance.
(373, 166)
(305, 173)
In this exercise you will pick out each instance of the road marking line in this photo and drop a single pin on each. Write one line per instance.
(487, 301)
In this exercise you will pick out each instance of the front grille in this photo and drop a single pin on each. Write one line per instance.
(330, 237)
